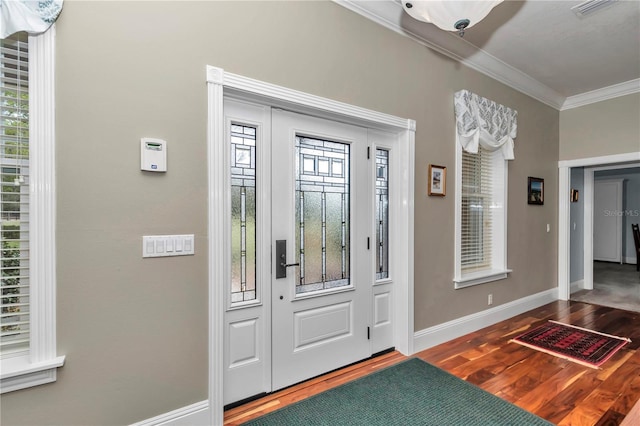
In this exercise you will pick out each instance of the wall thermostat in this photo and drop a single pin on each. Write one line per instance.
(153, 155)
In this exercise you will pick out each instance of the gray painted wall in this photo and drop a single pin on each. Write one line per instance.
(604, 128)
(576, 210)
(630, 205)
(135, 330)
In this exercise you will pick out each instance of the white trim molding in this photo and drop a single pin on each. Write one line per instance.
(404, 306)
(20, 373)
(38, 365)
(612, 160)
(564, 219)
(192, 415)
(432, 336)
(577, 286)
(610, 92)
(220, 84)
(564, 233)
(218, 271)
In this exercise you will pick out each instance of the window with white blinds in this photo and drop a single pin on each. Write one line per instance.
(14, 204)
(481, 217)
(477, 223)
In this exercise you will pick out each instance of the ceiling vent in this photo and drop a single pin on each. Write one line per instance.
(591, 6)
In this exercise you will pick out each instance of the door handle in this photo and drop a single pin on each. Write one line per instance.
(281, 259)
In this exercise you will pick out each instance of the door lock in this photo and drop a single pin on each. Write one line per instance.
(281, 259)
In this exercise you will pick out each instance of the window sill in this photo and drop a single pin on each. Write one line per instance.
(19, 373)
(481, 277)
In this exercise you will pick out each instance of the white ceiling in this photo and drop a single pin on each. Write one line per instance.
(539, 47)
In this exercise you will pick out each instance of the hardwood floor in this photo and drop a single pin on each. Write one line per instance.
(563, 392)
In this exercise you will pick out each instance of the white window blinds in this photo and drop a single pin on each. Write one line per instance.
(14, 164)
(477, 221)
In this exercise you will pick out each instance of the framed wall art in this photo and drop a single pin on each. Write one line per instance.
(535, 191)
(437, 180)
(574, 195)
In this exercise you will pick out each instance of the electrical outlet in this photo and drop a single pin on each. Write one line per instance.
(490, 299)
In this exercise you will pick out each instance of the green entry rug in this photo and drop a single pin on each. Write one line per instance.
(410, 393)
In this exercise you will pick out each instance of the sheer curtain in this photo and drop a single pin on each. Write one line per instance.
(483, 122)
(32, 16)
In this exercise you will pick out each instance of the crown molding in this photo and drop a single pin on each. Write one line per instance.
(390, 15)
(609, 92)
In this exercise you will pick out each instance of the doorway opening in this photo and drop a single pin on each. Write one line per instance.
(605, 201)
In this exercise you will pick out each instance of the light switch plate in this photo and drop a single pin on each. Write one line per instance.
(168, 245)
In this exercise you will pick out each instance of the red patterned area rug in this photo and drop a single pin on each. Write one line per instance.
(576, 344)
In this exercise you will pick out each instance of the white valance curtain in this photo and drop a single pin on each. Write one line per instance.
(483, 122)
(32, 16)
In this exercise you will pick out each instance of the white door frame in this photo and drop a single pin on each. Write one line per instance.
(220, 83)
(564, 218)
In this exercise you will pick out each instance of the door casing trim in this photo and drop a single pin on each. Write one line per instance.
(564, 218)
(221, 83)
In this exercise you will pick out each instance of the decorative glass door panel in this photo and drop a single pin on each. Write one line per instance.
(247, 339)
(243, 213)
(322, 214)
(382, 214)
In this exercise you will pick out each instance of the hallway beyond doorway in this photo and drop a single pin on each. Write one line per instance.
(614, 285)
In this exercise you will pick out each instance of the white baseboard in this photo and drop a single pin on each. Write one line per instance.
(630, 260)
(192, 415)
(444, 332)
(577, 286)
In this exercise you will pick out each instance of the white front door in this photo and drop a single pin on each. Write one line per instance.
(317, 189)
(321, 210)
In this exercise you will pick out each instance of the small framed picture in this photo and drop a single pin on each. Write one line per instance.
(437, 180)
(535, 192)
(574, 195)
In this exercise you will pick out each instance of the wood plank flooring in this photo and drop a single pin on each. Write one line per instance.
(563, 392)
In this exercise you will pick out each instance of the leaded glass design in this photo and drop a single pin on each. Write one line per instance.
(243, 213)
(382, 214)
(322, 214)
